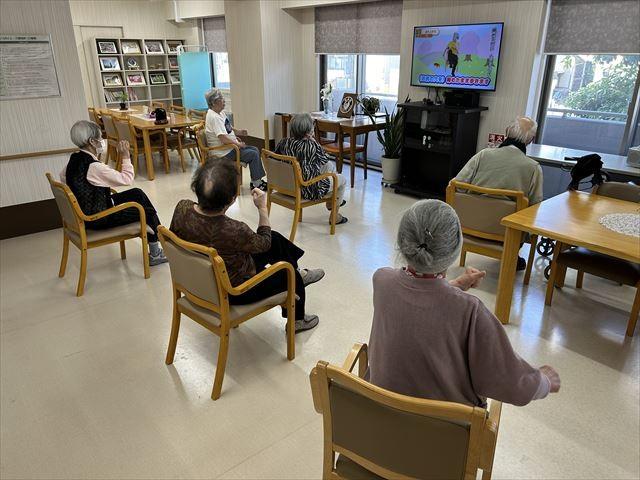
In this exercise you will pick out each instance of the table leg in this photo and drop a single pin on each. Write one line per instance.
(147, 154)
(507, 274)
(352, 154)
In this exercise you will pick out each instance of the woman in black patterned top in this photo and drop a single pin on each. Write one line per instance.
(313, 161)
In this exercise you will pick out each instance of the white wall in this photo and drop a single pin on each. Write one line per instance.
(523, 20)
(39, 124)
(195, 8)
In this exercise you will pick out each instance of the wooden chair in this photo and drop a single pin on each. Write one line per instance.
(284, 188)
(201, 290)
(480, 211)
(198, 114)
(126, 131)
(73, 229)
(340, 148)
(205, 150)
(155, 105)
(598, 264)
(95, 117)
(183, 138)
(179, 109)
(112, 139)
(381, 434)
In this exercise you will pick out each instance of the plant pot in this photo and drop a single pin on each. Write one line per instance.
(123, 106)
(390, 170)
(325, 104)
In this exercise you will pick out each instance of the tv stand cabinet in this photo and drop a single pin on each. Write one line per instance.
(437, 142)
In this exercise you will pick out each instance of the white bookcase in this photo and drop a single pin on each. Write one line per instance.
(149, 74)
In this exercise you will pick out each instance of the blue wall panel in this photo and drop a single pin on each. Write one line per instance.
(195, 78)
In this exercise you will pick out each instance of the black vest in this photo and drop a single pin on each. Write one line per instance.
(92, 199)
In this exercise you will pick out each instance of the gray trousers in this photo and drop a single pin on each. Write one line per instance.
(250, 156)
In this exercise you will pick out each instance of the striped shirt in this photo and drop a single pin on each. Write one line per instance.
(312, 158)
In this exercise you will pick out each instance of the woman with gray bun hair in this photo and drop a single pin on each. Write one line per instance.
(429, 338)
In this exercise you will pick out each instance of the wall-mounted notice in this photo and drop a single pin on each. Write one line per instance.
(27, 68)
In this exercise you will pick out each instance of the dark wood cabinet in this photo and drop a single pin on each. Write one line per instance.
(438, 141)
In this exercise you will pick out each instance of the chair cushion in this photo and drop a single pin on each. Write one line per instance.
(97, 235)
(291, 201)
(615, 269)
(235, 311)
(350, 470)
(334, 147)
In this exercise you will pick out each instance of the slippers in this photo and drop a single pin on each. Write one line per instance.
(342, 204)
(340, 220)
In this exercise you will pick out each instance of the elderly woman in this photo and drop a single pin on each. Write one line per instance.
(313, 161)
(429, 338)
(90, 180)
(219, 131)
(244, 251)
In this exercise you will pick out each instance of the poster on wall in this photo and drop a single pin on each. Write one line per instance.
(27, 67)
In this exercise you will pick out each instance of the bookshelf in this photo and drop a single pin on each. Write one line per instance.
(146, 68)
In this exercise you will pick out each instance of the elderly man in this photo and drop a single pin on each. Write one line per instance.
(219, 131)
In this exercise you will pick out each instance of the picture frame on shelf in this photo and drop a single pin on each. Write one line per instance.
(172, 45)
(109, 63)
(175, 78)
(173, 62)
(157, 79)
(107, 47)
(348, 104)
(136, 79)
(153, 47)
(156, 65)
(132, 63)
(130, 46)
(111, 80)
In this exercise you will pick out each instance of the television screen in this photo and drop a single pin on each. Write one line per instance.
(456, 56)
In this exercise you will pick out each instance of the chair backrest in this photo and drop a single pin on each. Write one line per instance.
(195, 269)
(158, 105)
(622, 191)
(283, 172)
(124, 129)
(67, 205)
(285, 118)
(94, 117)
(109, 127)
(201, 140)
(396, 436)
(177, 109)
(480, 209)
(198, 114)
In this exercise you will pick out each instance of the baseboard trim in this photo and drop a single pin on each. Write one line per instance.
(26, 218)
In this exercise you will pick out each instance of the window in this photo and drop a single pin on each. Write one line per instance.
(220, 70)
(586, 103)
(370, 75)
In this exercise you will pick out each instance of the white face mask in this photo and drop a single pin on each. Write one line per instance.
(98, 146)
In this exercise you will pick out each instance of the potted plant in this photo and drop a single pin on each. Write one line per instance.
(370, 105)
(391, 141)
(123, 98)
(326, 93)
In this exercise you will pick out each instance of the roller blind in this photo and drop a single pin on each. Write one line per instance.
(372, 27)
(593, 26)
(215, 34)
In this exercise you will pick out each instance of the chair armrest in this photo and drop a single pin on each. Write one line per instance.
(320, 178)
(359, 352)
(490, 435)
(261, 277)
(117, 208)
(314, 380)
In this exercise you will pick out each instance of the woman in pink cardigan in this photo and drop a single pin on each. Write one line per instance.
(429, 338)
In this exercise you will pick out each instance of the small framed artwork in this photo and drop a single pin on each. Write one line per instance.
(173, 45)
(349, 101)
(107, 47)
(130, 46)
(157, 79)
(153, 47)
(132, 63)
(175, 77)
(173, 62)
(111, 79)
(136, 79)
(109, 63)
(155, 65)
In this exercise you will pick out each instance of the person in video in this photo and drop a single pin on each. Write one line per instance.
(451, 53)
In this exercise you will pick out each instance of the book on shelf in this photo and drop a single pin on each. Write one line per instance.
(113, 96)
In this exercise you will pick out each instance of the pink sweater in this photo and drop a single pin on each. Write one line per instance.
(102, 175)
(432, 340)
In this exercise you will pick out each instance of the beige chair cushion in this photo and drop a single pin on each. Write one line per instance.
(97, 235)
(291, 201)
(235, 311)
(603, 266)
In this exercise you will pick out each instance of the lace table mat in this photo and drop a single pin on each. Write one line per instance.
(625, 223)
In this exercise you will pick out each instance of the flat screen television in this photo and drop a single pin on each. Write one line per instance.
(456, 56)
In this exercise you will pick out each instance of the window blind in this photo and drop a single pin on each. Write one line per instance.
(372, 27)
(593, 26)
(215, 34)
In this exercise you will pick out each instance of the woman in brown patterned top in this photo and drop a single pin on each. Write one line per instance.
(244, 251)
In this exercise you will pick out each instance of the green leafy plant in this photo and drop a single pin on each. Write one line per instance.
(370, 105)
(391, 136)
(123, 96)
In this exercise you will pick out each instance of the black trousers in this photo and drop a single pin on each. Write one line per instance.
(452, 58)
(281, 250)
(129, 215)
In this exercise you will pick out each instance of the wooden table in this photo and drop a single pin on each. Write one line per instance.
(571, 218)
(145, 126)
(357, 125)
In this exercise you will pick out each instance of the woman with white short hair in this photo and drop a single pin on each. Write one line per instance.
(90, 180)
(429, 338)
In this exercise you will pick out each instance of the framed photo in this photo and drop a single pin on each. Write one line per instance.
(130, 46)
(109, 63)
(173, 45)
(157, 78)
(155, 66)
(153, 47)
(175, 77)
(107, 47)
(173, 62)
(135, 79)
(132, 63)
(111, 79)
(349, 101)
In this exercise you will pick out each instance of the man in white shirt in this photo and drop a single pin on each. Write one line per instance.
(219, 131)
